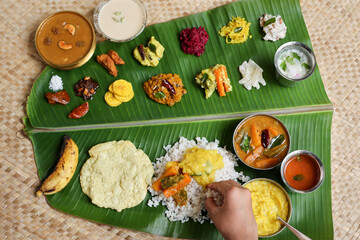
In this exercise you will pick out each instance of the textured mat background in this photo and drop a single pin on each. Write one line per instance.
(335, 34)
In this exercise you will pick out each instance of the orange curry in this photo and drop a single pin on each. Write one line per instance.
(261, 142)
(302, 172)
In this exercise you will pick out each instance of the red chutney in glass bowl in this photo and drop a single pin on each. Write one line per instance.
(302, 172)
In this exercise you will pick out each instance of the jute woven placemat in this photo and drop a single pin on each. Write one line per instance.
(334, 31)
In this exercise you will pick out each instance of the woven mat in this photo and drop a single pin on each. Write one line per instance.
(334, 31)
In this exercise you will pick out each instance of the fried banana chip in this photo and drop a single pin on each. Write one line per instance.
(122, 88)
(111, 100)
(124, 98)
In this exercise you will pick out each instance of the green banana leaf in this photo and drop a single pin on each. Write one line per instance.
(309, 93)
(311, 212)
(215, 118)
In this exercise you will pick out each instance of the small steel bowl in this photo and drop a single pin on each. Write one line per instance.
(255, 115)
(98, 8)
(312, 156)
(287, 198)
(285, 80)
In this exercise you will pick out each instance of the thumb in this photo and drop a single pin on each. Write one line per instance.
(210, 205)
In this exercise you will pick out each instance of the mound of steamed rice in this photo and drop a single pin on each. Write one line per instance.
(195, 208)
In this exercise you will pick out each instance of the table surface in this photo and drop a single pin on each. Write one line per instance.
(334, 30)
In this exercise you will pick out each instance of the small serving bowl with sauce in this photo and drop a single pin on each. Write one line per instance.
(250, 147)
(65, 40)
(120, 20)
(294, 62)
(267, 193)
(302, 171)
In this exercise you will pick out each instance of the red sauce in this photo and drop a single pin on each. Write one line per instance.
(302, 172)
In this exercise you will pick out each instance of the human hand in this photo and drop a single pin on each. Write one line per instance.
(235, 218)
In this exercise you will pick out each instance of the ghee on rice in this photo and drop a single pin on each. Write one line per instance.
(194, 208)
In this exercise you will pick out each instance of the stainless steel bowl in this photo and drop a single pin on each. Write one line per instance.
(287, 197)
(285, 80)
(255, 115)
(311, 155)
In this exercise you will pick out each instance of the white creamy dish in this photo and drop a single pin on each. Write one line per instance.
(121, 20)
(252, 75)
(293, 63)
(273, 27)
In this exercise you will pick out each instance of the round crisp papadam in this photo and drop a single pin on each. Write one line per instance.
(122, 88)
(124, 98)
(116, 175)
(111, 100)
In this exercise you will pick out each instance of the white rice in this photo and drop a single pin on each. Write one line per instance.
(194, 208)
(55, 83)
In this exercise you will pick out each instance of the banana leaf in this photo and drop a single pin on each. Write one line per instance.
(307, 94)
(139, 120)
(311, 212)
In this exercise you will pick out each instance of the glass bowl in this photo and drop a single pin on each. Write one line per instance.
(117, 18)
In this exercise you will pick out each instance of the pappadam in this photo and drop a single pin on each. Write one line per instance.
(116, 175)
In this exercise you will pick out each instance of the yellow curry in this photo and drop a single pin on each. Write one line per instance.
(268, 202)
(201, 164)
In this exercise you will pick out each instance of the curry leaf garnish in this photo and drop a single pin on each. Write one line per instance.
(276, 141)
(298, 158)
(295, 55)
(298, 177)
(270, 21)
(245, 143)
(290, 60)
(204, 77)
(238, 29)
(305, 65)
(152, 47)
(118, 13)
(159, 95)
(283, 65)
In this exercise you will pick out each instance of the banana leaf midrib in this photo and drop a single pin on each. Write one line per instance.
(318, 108)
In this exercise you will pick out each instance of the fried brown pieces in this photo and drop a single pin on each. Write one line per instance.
(109, 60)
(115, 57)
(107, 63)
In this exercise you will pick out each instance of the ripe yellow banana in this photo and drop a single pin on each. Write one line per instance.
(64, 169)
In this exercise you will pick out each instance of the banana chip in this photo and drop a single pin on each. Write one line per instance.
(122, 88)
(111, 100)
(124, 98)
(119, 91)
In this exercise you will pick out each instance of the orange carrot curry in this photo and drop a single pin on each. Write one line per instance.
(261, 142)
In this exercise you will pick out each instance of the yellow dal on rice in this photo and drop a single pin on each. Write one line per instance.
(201, 164)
